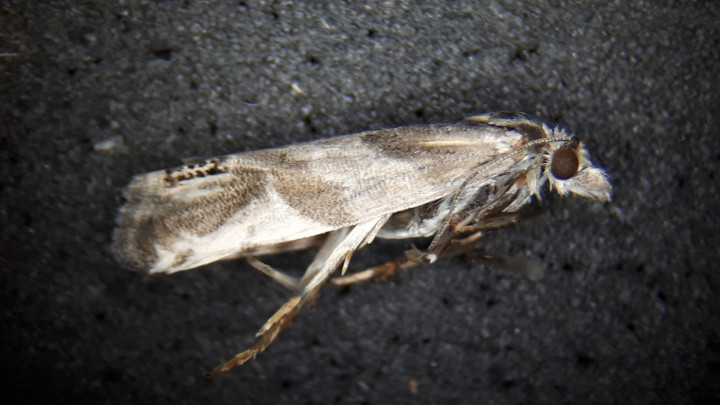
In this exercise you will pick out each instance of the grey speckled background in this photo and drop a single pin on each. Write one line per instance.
(627, 311)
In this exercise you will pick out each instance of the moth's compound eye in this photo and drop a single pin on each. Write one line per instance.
(564, 163)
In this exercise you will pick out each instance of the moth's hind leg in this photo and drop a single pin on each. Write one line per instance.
(281, 278)
(336, 249)
(291, 283)
(266, 335)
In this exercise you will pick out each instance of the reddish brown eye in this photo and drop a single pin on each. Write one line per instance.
(564, 163)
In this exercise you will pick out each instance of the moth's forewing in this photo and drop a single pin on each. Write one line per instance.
(182, 218)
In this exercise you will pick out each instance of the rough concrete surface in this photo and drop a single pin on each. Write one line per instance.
(92, 93)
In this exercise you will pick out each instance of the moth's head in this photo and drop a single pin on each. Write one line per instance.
(569, 170)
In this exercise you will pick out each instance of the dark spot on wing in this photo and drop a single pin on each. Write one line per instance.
(181, 257)
(281, 159)
(209, 167)
(314, 197)
(408, 143)
(531, 131)
(529, 126)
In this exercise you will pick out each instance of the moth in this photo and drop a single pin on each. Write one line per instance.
(452, 182)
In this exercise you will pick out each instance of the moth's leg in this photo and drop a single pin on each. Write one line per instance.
(447, 245)
(266, 335)
(291, 283)
(331, 242)
(336, 249)
(380, 272)
(281, 278)
(412, 258)
(459, 246)
(280, 319)
(462, 244)
(490, 223)
(359, 236)
(529, 268)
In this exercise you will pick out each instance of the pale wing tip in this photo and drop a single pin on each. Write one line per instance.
(135, 253)
(125, 253)
(134, 239)
(137, 224)
(135, 247)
